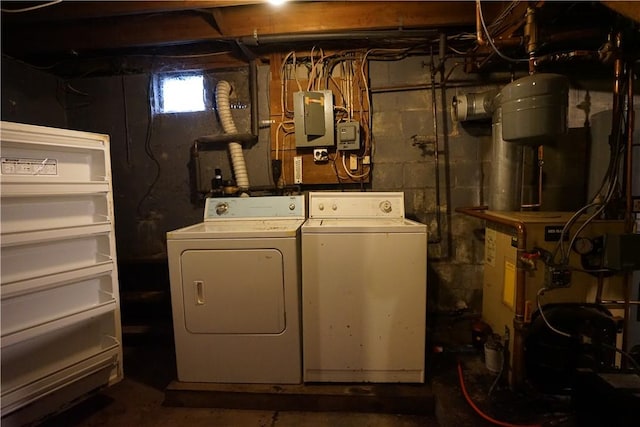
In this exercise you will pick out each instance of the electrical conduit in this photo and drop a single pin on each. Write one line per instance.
(235, 148)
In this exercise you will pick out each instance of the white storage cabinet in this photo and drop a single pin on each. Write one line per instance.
(60, 309)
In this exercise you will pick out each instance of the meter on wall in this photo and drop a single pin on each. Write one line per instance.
(348, 136)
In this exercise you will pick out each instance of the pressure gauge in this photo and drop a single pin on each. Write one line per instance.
(583, 246)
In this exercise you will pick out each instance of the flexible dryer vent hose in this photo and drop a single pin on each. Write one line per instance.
(235, 148)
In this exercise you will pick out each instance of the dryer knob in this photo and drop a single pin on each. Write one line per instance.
(321, 206)
(385, 206)
(222, 208)
(292, 206)
(334, 207)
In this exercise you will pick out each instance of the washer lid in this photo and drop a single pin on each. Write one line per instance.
(360, 225)
(239, 228)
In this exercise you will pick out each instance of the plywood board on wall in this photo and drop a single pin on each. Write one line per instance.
(283, 145)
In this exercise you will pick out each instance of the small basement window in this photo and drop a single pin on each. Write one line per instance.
(179, 93)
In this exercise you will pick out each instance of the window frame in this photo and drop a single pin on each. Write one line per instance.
(158, 91)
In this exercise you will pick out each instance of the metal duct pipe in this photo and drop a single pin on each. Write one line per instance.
(257, 40)
(473, 106)
(506, 170)
(253, 94)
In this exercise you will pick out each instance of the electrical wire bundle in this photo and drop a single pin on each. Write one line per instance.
(608, 191)
(344, 73)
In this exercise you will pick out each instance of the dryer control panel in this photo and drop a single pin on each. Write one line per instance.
(267, 207)
(356, 205)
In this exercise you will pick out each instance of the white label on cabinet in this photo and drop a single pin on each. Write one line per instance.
(18, 166)
(490, 247)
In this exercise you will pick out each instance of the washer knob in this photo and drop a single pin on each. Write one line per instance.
(334, 207)
(292, 206)
(385, 206)
(321, 206)
(222, 208)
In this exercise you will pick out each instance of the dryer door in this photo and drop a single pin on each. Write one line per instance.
(233, 291)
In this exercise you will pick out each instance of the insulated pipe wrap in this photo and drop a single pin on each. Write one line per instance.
(223, 89)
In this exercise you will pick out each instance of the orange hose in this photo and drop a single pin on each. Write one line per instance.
(482, 414)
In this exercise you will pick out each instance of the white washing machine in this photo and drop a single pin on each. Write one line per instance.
(364, 289)
(235, 291)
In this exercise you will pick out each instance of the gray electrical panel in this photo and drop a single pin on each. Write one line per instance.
(348, 136)
(313, 118)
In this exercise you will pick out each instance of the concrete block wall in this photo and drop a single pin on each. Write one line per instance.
(401, 116)
(402, 119)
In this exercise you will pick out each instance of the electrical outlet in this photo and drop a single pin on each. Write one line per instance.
(366, 160)
(320, 155)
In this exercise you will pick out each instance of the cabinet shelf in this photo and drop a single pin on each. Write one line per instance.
(40, 259)
(15, 188)
(36, 213)
(39, 236)
(37, 284)
(53, 325)
(105, 358)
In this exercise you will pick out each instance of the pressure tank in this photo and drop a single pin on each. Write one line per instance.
(534, 109)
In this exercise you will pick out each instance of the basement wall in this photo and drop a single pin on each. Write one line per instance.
(146, 207)
(31, 96)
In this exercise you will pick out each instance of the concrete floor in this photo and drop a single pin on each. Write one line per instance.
(150, 366)
(138, 401)
(131, 403)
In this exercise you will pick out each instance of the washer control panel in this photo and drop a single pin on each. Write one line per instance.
(356, 205)
(266, 207)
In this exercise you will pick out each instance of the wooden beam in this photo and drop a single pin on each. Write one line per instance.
(324, 16)
(144, 64)
(198, 26)
(77, 10)
(111, 33)
(629, 9)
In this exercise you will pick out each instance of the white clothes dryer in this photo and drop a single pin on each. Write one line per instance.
(235, 286)
(363, 289)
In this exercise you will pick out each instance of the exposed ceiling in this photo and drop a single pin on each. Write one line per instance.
(72, 38)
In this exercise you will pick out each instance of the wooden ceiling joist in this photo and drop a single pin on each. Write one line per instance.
(175, 28)
(304, 17)
(81, 10)
(110, 34)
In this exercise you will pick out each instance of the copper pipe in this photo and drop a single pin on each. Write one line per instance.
(517, 365)
(559, 37)
(615, 302)
(531, 31)
(479, 32)
(617, 74)
(629, 157)
(628, 217)
(499, 42)
(531, 34)
(599, 288)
